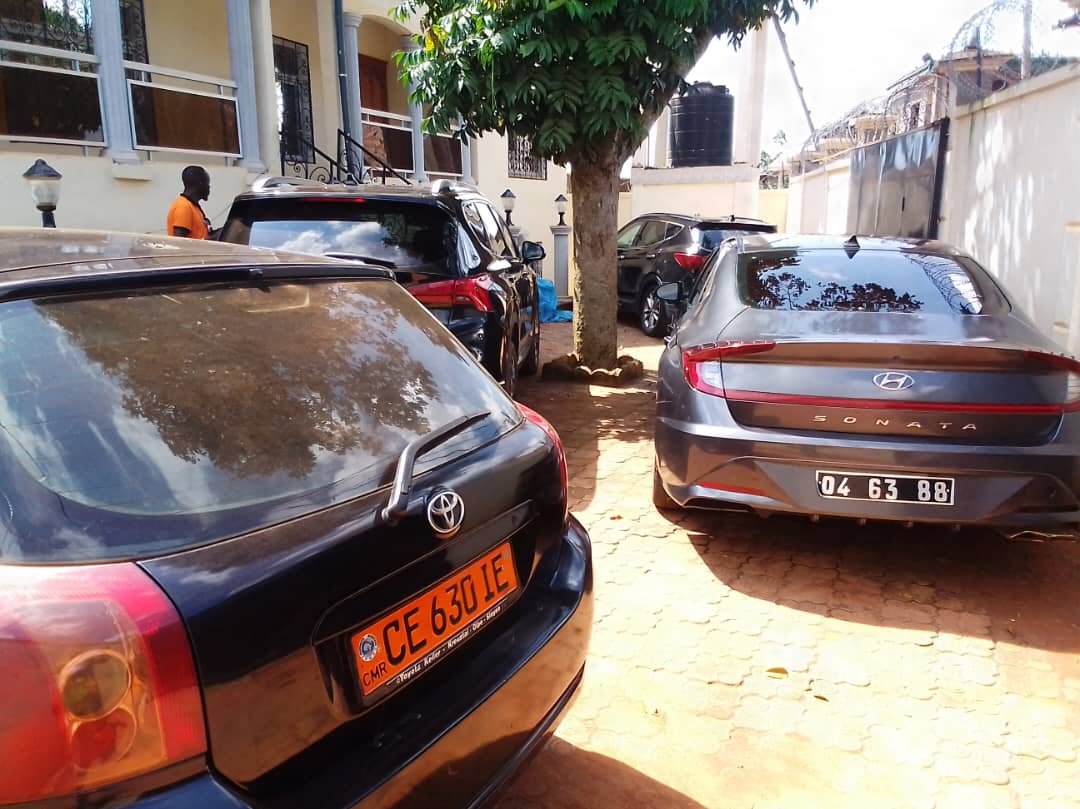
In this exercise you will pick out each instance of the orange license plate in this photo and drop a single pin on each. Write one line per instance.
(417, 634)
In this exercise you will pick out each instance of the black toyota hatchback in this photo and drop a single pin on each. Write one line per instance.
(271, 538)
(446, 244)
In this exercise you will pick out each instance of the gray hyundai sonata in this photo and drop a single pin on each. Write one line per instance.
(867, 378)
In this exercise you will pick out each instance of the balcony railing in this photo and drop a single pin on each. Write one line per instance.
(179, 111)
(389, 136)
(49, 95)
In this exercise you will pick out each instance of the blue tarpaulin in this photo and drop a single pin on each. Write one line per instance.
(549, 303)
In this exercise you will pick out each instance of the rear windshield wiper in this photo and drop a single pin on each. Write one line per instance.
(398, 505)
(379, 262)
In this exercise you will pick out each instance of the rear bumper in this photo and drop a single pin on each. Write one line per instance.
(537, 660)
(1010, 488)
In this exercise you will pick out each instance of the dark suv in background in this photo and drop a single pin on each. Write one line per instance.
(662, 248)
(446, 243)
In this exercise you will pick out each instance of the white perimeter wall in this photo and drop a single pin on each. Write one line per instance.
(818, 201)
(1011, 196)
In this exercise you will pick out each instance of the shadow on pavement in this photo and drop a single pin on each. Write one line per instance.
(971, 582)
(587, 416)
(563, 776)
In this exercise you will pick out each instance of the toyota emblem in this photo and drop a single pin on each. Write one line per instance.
(446, 513)
(893, 381)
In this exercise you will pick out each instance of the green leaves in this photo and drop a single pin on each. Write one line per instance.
(574, 75)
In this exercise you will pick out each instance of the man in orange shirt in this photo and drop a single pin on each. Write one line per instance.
(186, 217)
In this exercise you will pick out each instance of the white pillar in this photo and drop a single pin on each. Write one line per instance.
(328, 108)
(661, 146)
(466, 158)
(352, 78)
(262, 47)
(750, 103)
(416, 117)
(112, 81)
(242, 59)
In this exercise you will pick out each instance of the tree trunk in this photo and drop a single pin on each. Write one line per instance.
(594, 186)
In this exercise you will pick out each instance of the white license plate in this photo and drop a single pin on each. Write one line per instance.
(886, 488)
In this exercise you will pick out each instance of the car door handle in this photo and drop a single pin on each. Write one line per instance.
(650, 255)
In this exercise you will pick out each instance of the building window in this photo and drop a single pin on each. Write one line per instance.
(293, 73)
(49, 97)
(66, 25)
(521, 163)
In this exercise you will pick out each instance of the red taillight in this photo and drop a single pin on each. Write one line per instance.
(690, 261)
(445, 294)
(1071, 366)
(701, 364)
(560, 453)
(334, 199)
(98, 680)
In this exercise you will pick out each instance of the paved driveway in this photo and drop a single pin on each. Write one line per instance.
(738, 662)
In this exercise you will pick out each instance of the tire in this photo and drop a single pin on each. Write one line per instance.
(531, 366)
(651, 314)
(660, 497)
(510, 369)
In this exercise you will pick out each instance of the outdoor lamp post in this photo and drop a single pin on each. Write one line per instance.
(560, 209)
(45, 189)
(508, 200)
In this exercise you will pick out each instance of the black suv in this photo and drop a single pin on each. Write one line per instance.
(446, 243)
(661, 248)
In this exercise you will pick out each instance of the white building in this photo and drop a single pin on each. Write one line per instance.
(119, 95)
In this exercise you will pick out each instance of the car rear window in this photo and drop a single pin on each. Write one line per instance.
(407, 236)
(145, 423)
(711, 237)
(866, 281)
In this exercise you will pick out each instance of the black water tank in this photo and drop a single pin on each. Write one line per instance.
(702, 129)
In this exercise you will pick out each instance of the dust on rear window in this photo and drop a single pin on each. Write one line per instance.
(139, 424)
(866, 281)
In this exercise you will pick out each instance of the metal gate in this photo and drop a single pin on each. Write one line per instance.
(896, 184)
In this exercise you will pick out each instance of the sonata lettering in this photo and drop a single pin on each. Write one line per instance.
(942, 426)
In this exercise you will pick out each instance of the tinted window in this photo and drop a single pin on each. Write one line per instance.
(419, 238)
(492, 231)
(629, 233)
(146, 423)
(710, 238)
(653, 232)
(868, 281)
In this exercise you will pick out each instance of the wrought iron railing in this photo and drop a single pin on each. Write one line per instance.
(322, 167)
(354, 154)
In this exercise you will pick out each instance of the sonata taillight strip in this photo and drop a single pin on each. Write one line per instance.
(761, 397)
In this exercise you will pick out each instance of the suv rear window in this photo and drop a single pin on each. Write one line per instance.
(412, 237)
(867, 281)
(711, 237)
(146, 423)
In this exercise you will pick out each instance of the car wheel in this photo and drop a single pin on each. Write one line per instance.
(510, 369)
(531, 365)
(661, 499)
(651, 314)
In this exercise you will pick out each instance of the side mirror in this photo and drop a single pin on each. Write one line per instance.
(670, 293)
(533, 251)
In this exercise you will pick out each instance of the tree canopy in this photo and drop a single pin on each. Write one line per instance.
(583, 80)
(571, 74)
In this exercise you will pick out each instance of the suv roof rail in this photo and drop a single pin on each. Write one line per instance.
(264, 183)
